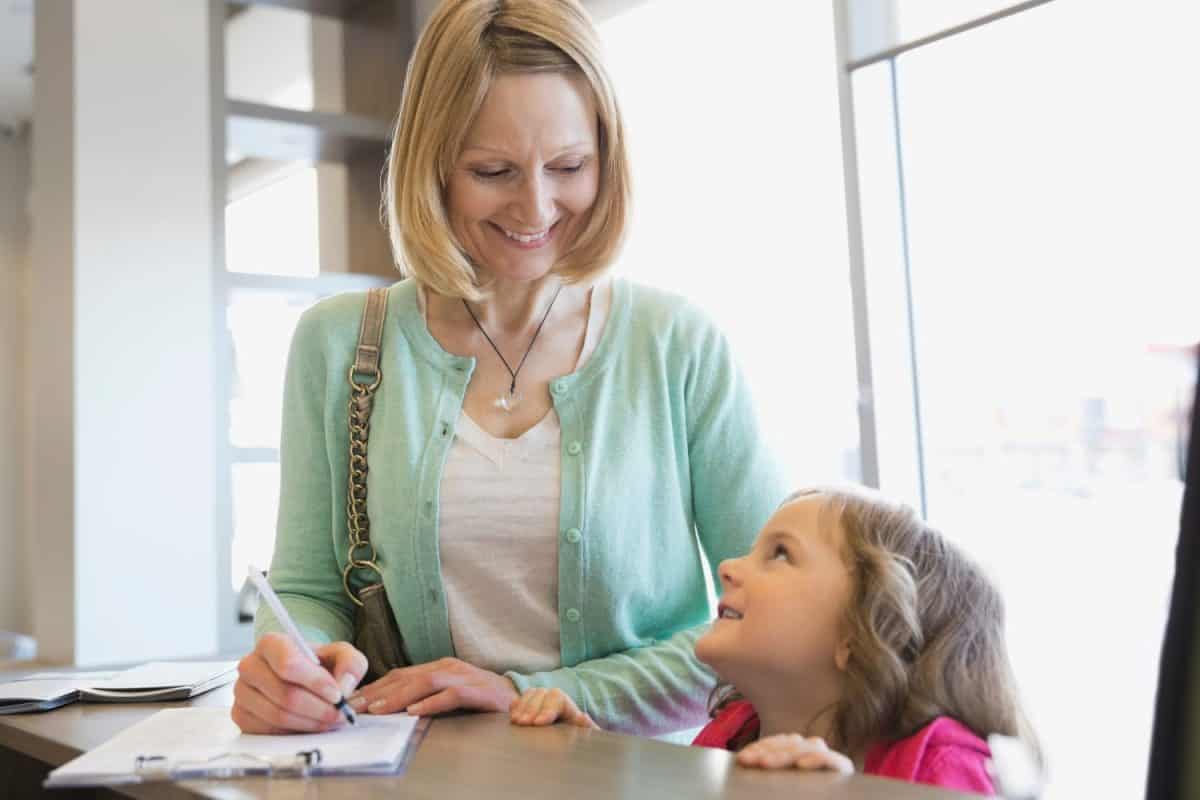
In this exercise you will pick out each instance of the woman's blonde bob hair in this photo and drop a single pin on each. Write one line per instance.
(465, 45)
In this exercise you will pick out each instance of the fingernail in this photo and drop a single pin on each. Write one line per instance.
(349, 682)
(358, 702)
(331, 694)
(376, 706)
(414, 709)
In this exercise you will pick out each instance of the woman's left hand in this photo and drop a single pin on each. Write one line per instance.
(791, 750)
(439, 686)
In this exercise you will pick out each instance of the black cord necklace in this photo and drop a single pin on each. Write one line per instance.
(509, 401)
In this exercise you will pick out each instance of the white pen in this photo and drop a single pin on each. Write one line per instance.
(267, 593)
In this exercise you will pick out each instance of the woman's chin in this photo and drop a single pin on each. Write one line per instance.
(517, 267)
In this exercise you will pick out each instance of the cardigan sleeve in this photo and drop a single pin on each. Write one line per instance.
(736, 481)
(735, 486)
(648, 690)
(305, 572)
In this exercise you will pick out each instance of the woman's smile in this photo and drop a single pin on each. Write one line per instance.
(527, 241)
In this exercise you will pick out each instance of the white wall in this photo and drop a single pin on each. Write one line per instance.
(122, 328)
(14, 237)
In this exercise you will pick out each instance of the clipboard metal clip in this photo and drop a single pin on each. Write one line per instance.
(227, 765)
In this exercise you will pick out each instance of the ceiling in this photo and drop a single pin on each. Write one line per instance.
(16, 60)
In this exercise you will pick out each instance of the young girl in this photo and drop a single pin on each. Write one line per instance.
(852, 635)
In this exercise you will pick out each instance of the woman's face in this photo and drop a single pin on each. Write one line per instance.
(527, 177)
(780, 616)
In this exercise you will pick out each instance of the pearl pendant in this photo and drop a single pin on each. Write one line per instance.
(508, 401)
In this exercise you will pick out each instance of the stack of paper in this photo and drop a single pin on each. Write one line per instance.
(158, 681)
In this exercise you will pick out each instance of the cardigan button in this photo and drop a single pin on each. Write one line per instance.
(574, 448)
(573, 615)
(574, 535)
(558, 387)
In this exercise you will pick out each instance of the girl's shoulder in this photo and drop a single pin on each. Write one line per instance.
(944, 752)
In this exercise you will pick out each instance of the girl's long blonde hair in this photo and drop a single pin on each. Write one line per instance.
(464, 46)
(926, 630)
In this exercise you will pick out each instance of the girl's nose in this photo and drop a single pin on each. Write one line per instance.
(728, 569)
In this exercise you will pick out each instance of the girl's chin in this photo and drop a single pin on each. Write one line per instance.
(704, 648)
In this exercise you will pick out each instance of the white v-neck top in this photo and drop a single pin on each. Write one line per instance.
(498, 541)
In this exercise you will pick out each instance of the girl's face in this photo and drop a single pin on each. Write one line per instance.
(779, 623)
(527, 178)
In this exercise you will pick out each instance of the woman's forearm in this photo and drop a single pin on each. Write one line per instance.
(645, 690)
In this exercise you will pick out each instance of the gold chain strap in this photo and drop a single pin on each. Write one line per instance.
(362, 553)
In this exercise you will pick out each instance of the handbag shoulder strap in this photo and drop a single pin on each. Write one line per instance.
(370, 336)
(365, 377)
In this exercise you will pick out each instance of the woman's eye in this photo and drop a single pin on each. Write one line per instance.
(780, 552)
(490, 174)
(570, 169)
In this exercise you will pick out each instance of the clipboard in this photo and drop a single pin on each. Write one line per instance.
(204, 744)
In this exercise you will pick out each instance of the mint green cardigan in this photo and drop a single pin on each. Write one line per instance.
(662, 465)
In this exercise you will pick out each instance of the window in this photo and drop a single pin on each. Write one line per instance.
(738, 201)
(1029, 221)
(273, 229)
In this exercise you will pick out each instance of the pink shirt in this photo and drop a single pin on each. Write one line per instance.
(944, 753)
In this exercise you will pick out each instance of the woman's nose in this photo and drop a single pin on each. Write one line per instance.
(535, 203)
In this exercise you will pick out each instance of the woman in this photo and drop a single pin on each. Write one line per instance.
(548, 444)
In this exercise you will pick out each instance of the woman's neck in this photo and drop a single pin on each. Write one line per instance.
(510, 307)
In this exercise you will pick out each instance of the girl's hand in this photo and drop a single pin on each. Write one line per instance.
(439, 686)
(546, 707)
(279, 690)
(791, 750)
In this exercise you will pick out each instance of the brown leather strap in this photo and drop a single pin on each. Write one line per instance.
(370, 335)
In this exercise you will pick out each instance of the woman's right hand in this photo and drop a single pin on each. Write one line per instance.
(546, 707)
(279, 690)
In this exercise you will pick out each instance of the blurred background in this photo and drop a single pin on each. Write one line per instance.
(953, 243)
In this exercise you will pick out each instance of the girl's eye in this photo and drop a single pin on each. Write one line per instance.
(780, 552)
(490, 174)
(570, 169)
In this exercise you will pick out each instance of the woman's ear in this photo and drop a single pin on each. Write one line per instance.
(841, 656)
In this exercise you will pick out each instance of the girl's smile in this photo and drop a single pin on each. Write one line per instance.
(727, 612)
